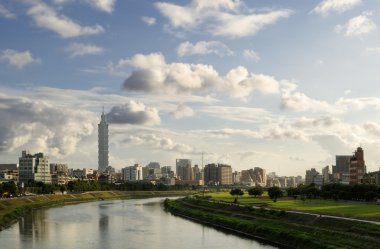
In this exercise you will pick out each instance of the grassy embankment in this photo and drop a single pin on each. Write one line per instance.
(289, 230)
(359, 210)
(12, 209)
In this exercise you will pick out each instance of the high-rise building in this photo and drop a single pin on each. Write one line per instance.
(211, 173)
(357, 166)
(132, 173)
(256, 176)
(311, 176)
(102, 143)
(224, 174)
(342, 164)
(183, 167)
(218, 174)
(34, 167)
(326, 174)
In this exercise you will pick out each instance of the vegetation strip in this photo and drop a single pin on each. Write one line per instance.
(293, 230)
(18, 207)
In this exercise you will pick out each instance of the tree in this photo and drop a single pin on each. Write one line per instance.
(274, 193)
(236, 192)
(62, 188)
(255, 191)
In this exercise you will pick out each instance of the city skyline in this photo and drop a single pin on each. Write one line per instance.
(279, 85)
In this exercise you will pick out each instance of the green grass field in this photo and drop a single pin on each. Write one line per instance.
(359, 210)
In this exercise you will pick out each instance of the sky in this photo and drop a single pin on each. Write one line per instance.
(282, 85)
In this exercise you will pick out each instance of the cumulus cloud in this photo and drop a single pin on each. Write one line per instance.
(204, 47)
(298, 101)
(358, 104)
(154, 75)
(150, 21)
(4, 12)
(47, 17)
(251, 55)
(220, 18)
(339, 6)
(28, 123)
(159, 142)
(133, 113)
(372, 129)
(80, 49)
(358, 25)
(183, 111)
(17, 58)
(103, 5)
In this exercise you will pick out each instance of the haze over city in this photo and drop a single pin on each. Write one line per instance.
(282, 85)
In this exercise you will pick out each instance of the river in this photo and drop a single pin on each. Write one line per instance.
(115, 224)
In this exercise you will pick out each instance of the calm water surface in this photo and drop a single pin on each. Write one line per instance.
(115, 224)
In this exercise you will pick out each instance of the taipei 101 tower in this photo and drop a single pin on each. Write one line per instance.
(103, 143)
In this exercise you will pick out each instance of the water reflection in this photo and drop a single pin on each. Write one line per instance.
(115, 224)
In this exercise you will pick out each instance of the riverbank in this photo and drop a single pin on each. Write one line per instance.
(348, 209)
(12, 209)
(279, 227)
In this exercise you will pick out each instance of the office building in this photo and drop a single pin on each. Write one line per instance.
(357, 166)
(34, 167)
(132, 173)
(183, 167)
(102, 144)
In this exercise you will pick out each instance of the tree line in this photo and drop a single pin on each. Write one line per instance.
(11, 189)
(335, 191)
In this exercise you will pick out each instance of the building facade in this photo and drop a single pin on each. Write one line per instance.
(34, 167)
(183, 168)
(102, 143)
(224, 174)
(132, 173)
(357, 166)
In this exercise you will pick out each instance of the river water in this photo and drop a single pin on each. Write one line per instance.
(115, 224)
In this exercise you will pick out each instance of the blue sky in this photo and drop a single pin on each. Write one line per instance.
(283, 85)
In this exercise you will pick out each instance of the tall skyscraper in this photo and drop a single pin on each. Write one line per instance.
(102, 143)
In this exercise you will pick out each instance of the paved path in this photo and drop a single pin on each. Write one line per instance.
(333, 217)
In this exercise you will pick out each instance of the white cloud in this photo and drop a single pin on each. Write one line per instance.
(28, 123)
(204, 47)
(220, 18)
(339, 6)
(358, 104)
(251, 55)
(17, 58)
(47, 17)
(133, 113)
(4, 12)
(298, 101)
(154, 75)
(358, 25)
(373, 50)
(158, 142)
(239, 113)
(103, 5)
(150, 21)
(183, 111)
(79, 49)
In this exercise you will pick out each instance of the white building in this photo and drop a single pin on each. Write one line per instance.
(132, 173)
(34, 167)
(102, 144)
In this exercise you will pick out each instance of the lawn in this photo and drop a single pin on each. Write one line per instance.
(360, 210)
